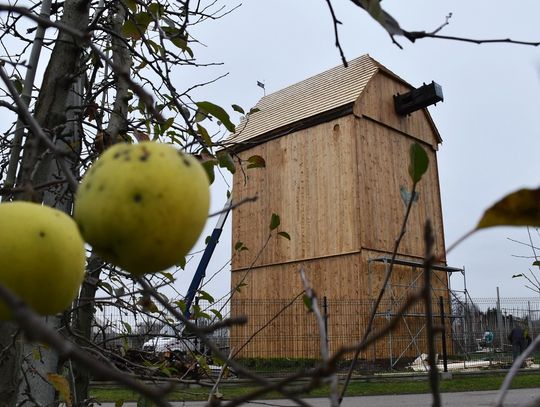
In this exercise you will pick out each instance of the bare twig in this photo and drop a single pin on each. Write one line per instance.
(439, 28)
(44, 21)
(26, 96)
(263, 327)
(314, 306)
(380, 334)
(37, 130)
(235, 205)
(383, 288)
(416, 35)
(221, 372)
(35, 329)
(336, 33)
(212, 346)
(426, 293)
(514, 370)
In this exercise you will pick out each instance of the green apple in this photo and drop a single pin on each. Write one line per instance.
(143, 206)
(42, 256)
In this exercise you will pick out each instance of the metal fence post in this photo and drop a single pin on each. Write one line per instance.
(444, 352)
(529, 322)
(325, 310)
(500, 322)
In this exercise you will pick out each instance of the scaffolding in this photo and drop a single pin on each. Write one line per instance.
(398, 292)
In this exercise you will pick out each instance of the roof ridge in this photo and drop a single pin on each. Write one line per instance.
(325, 91)
(352, 62)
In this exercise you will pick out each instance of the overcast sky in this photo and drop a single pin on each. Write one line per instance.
(488, 121)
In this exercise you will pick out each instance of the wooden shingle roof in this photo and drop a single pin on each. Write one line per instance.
(289, 109)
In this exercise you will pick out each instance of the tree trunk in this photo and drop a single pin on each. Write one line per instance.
(10, 362)
(82, 324)
(40, 166)
(62, 71)
(117, 125)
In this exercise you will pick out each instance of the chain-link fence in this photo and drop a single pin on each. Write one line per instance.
(282, 336)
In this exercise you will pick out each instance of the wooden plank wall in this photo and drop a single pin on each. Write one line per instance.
(383, 160)
(338, 277)
(377, 103)
(309, 181)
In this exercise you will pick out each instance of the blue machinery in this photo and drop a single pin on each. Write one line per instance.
(207, 255)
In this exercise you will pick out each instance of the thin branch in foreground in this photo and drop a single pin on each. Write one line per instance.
(439, 28)
(382, 291)
(429, 241)
(37, 131)
(514, 370)
(267, 385)
(234, 205)
(416, 35)
(263, 327)
(334, 393)
(336, 33)
(35, 329)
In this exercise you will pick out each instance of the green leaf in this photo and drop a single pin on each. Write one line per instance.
(217, 314)
(182, 263)
(240, 247)
(182, 44)
(256, 161)
(218, 112)
(225, 160)
(201, 359)
(106, 287)
(134, 28)
(285, 235)
(131, 4)
(238, 109)
(61, 385)
(119, 403)
(182, 305)
(536, 263)
(155, 47)
(156, 9)
(147, 304)
(204, 135)
(254, 110)
(308, 302)
(143, 19)
(130, 30)
(520, 208)
(167, 125)
(197, 313)
(36, 353)
(168, 276)
(239, 287)
(419, 162)
(127, 327)
(17, 83)
(203, 295)
(209, 168)
(274, 221)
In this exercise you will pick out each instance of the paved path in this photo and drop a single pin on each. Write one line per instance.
(514, 398)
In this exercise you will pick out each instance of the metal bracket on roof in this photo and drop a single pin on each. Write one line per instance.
(417, 99)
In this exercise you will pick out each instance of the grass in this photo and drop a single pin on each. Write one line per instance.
(378, 387)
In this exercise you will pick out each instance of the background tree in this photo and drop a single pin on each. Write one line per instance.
(109, 77)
